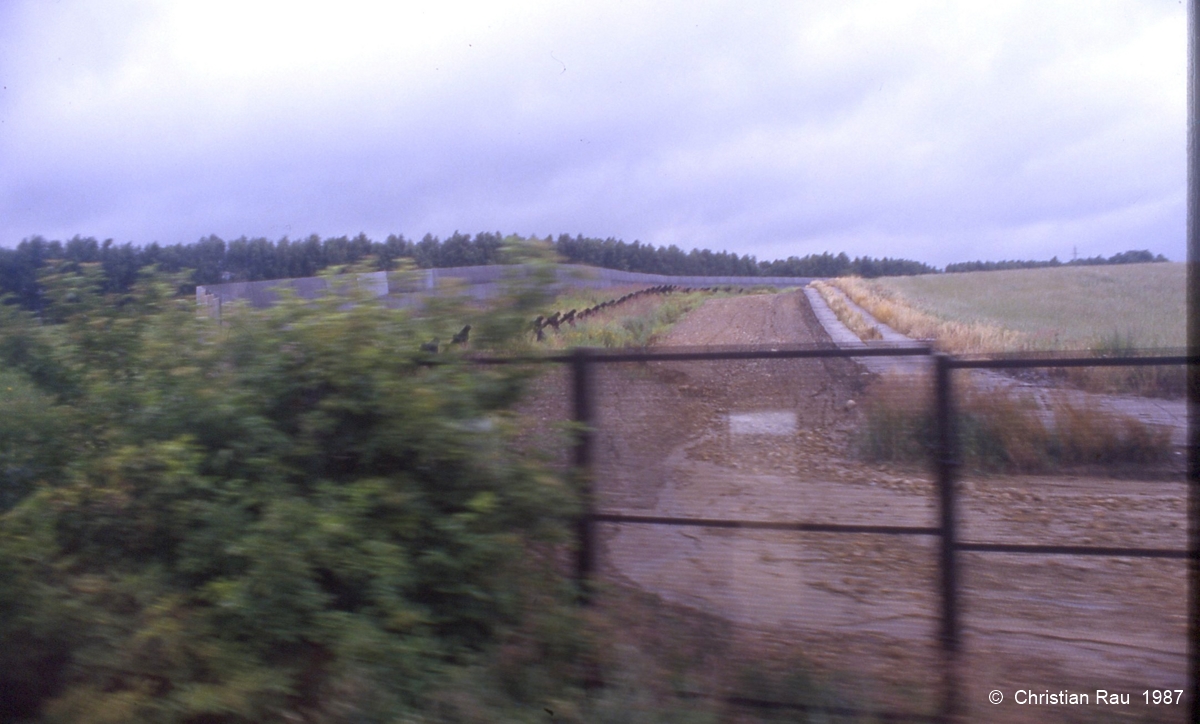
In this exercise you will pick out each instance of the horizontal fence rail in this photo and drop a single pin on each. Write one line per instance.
(1076, 550)
(764, 525)
(1002, 363)
(704, 354)
(779, 352)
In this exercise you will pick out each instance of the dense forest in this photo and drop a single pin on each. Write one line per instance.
(213, 260)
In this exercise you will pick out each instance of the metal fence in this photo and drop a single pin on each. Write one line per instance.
(583, 364)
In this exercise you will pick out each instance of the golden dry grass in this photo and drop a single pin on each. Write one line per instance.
(848, 316)
(1006, 429)
(959, 337)
(1105, 311)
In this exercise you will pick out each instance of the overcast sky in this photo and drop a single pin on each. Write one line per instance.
(939, 131)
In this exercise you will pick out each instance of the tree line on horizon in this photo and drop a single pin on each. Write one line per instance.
(212, 260)
(1142, 256)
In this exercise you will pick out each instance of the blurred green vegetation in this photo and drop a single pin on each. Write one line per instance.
(298, 515)
(284, 516)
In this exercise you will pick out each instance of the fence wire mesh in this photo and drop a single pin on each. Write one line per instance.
(1070, 461)
(708, 448)
(768, 533)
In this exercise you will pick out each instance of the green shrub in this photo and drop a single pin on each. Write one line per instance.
(283, 516)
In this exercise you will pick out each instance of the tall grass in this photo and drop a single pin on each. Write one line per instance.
(1156, 381)
(1006, 430)
(893, 310)
(1132, 306)
(880, 298)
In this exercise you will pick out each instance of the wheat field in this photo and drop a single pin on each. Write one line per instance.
(1057, 308)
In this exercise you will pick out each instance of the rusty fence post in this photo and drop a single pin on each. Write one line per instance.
(946, 464)
(583, 414)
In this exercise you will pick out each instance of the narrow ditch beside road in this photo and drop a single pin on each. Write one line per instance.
(1170, 414)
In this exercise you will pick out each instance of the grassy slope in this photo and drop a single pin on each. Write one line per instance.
(1063, 307)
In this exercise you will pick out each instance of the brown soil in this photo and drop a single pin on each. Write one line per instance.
(863, 609)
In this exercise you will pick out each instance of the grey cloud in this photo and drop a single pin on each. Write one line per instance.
(876, 128)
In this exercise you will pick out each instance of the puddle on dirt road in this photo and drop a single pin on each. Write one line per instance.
(772, 422)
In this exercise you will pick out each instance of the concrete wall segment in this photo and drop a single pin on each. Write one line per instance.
(480, 282)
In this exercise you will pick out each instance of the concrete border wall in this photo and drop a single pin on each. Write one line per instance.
(480, 282)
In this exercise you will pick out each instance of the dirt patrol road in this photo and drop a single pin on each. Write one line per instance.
(774, 440)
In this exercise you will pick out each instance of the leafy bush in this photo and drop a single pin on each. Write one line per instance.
(284, 516)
